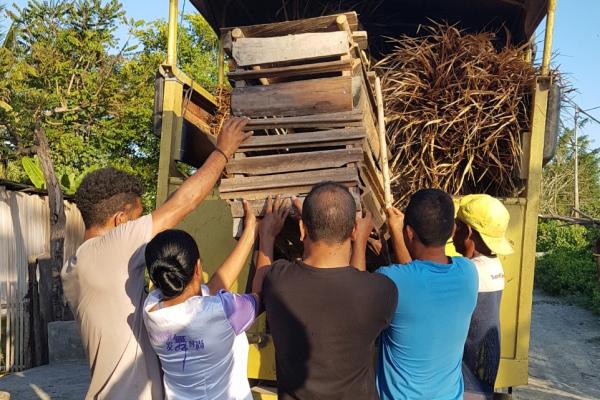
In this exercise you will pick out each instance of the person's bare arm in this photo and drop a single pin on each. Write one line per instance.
(364, 227)
(229, 271)
(270, 226)
(396, 225)
(195, 188)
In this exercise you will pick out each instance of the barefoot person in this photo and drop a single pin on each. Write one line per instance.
(196, 328)
(104, 281)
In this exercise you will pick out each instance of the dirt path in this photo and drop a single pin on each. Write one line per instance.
(564, 355)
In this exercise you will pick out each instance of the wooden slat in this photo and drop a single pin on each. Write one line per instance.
(309, 97)
(304, 139)
(263, 193)
(291, 71)
(370, 202)
(319, 24)
(263, 165)
(304, 46)
(194, 114)
(329, 120)
(361, 39)
(258, 206)
(288, 180)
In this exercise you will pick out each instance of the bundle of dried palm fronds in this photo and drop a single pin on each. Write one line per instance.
(223, 96)
(456, 110)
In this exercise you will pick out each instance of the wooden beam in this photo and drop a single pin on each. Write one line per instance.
(276, 164)
(291, 71)
(325, 23)
(249, 51)
(336, 137)
(329, 120)
(361, 39)
(314, 96)
(341, 175)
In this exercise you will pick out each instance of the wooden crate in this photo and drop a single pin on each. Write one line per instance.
(312, 110)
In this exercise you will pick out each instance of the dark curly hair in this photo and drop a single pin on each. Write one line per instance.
(104, 192)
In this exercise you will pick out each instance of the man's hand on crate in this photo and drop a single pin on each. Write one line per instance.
(231, 136)
(274, 219)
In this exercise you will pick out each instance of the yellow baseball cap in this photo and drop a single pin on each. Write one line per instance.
(488, 216)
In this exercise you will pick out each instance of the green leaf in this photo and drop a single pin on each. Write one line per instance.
(5, 106)
(34, 171)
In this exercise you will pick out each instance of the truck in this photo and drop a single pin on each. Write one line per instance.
(183, 109)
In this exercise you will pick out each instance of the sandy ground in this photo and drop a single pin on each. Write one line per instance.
(564, 361)
(564, 354)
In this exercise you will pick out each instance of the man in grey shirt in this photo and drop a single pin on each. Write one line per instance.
(104, 281)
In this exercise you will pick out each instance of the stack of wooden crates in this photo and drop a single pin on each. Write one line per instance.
(307, 90)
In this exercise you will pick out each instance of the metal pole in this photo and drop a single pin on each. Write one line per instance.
(576, 163)
(548, 38)
(172, 41)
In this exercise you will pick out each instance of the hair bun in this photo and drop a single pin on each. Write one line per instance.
(166, 275)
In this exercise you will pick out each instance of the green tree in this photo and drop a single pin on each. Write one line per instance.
(558, 177)
(95, 94)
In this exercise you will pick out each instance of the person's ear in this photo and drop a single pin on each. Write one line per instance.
(198, 269)
(469, 232)
(119, 218)
(353, 234)
(454, 230)
(410, 232)
(302, 230)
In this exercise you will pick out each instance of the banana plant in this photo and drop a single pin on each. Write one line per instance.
(69, 182)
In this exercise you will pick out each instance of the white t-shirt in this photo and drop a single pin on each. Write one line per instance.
(491, 274)
(201, 345)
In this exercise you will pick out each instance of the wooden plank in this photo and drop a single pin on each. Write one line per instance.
(263, 193)
(361, 39)
(329, 120)
(304, 46)
(370, 202)
(264, 165)
(258, 206)
(197, 116)
(291, 71)
(303, 139)
(309, 97)
(326, 23)
(288, 180)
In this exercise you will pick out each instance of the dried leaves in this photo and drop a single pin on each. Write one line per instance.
(456, 109)
(223, 97)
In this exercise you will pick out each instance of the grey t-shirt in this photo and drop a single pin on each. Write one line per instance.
(104, 285)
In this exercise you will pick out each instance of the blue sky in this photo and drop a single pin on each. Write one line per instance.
(576, 45)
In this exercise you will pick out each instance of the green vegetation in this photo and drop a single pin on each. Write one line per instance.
(568, 266)
(64, 61)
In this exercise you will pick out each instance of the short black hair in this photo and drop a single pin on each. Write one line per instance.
(104, 192)
(430, 212)
(329, 213)
(171, 258)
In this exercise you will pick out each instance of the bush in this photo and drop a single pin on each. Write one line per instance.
(555, 234)
(568, 267)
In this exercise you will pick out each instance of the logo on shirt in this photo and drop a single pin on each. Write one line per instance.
(180, 343)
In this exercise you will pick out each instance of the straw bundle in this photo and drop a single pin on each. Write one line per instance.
(455, 109)
(223, 96)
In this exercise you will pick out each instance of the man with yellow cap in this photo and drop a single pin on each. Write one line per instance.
(480, 235)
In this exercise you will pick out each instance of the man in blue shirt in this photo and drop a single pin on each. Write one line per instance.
(420, 353)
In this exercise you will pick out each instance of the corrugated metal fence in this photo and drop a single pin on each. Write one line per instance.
(24, 237)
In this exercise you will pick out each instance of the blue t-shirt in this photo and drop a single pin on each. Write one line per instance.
(420, 353)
